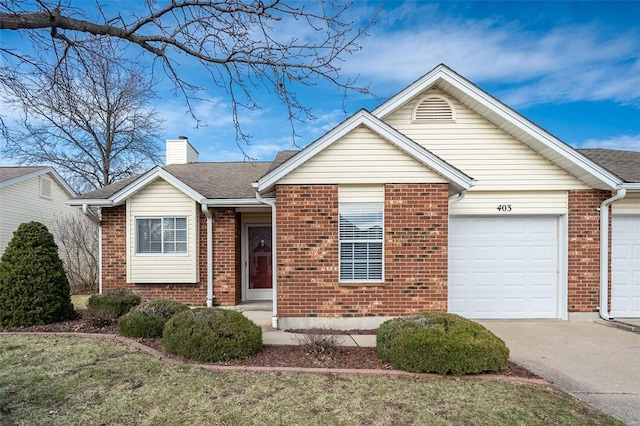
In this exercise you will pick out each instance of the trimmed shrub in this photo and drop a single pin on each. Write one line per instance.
(111, 305)
(437, 342)
(211, 335)
(148, 319)
(33, 285)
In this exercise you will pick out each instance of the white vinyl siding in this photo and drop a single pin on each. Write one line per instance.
(162, 200)
(511, 203)
(361, 242)
(495, 159)
(361, 193)
(628, 205)
(22, 202)
(361, 157)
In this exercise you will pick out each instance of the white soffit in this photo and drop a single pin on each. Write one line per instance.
(479, 101)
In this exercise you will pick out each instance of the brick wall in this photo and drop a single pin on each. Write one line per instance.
(584, 249)
(226, 257)
(415, 253)
(226, 260)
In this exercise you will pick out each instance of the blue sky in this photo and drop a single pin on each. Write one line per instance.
(571, 67)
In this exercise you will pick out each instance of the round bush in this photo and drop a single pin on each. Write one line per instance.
(435, 342)
(112, 304)
(148, 319)
(33, 285)
(211, 335)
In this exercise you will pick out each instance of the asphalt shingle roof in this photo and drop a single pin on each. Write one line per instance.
(7, 173)
(211, 180)
(624, 164)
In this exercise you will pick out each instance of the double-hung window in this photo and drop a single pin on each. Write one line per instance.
(361, 241)
(161, 235)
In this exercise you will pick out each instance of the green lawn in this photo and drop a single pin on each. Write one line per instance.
(73, 381)
(80, 300)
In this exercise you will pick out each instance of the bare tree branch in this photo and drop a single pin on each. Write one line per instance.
(242, 44)
(89, 118)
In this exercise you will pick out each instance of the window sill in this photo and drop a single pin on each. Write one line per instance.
(362, 284)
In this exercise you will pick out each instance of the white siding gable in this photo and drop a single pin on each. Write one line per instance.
(495, 159)
(361, 156)
(23, 202)
(161, 199)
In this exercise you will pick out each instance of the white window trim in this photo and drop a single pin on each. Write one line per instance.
(135, 236)
(382, 266)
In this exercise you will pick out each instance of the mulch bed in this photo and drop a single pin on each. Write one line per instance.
(269, 356)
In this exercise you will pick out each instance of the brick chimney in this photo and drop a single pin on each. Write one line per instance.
(180, 151)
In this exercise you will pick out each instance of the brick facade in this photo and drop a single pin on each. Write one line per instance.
(584, 249)
(416, 234)
(227, 276)
(226, 256)
(416, 223)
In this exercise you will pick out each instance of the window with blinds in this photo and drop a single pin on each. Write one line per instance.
(361, 241)
(167, 235)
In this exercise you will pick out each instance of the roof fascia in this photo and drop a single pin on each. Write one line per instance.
(442, 72)
(153, 174)
(230, 202)
(44, 170)
(98, 202)
(396, 138)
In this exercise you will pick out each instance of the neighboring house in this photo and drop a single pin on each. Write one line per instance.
(440, 199)
(33, 194)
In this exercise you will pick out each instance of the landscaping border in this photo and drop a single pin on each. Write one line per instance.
(256, 369)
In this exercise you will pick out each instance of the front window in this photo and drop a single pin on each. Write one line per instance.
(361, 241)
(161, 235)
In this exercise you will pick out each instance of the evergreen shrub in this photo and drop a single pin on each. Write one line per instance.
(33, 285)
(111, 305)
(211, 335)
(437, 342)
(148, 319)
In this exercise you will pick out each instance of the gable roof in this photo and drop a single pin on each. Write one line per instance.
(510, 121)
(12, 175)
(624, 164)
(457, 179)
(203, 182)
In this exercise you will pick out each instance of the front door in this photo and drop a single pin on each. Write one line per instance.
(258, 262)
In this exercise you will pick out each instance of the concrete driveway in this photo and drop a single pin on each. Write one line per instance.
(593, 362)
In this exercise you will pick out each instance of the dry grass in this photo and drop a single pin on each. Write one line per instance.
(80, 300)
(71, 381)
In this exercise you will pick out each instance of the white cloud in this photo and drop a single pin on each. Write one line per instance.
(568, 63)
(623, 142)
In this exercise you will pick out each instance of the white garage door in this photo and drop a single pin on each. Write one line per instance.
(625, 266)
(504, 267)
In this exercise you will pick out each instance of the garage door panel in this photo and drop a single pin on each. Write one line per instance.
(510, 267)
(625, 266)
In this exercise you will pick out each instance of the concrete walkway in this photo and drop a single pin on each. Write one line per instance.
(595, 363)
(272, 336)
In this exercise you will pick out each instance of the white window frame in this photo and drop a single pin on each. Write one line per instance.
(162, 240)
(365, 207)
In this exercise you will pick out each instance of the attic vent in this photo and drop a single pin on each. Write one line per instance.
(45, 187)
(433, 108)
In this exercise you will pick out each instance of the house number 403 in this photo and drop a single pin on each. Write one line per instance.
(504, 207)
